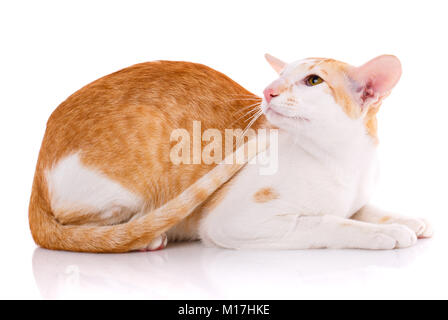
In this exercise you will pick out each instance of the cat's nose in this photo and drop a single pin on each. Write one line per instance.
(270, 93)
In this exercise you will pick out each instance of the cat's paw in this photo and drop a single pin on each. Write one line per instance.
(427, 231)
(403, 236)
(421, 227)
(381, 241)
(158, 243)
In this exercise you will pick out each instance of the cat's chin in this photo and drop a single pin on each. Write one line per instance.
(274, 116)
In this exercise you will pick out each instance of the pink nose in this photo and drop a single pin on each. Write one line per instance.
(270, 93)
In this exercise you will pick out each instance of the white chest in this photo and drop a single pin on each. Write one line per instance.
(311, 184)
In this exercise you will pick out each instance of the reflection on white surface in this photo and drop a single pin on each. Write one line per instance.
(192, 271)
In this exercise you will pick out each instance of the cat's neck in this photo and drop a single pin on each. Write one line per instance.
(345, 151)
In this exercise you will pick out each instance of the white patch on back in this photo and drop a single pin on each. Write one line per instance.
(74, 187)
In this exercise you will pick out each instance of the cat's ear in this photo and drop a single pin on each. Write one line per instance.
(277, 64)
(374, 80)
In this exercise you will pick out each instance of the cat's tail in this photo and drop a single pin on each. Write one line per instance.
(136, 234)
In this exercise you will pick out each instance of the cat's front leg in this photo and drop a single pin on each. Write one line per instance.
(257, 230)
(372, 214)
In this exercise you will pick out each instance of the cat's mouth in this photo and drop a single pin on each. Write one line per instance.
(270, 111)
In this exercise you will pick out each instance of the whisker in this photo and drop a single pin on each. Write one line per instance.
(254, 118)
(244, 99)
(243, 95)
(256, 105)
(249, 113)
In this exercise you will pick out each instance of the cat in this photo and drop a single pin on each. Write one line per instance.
(104, 181)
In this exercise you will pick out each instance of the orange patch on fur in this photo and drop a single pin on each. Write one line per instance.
(370, 121)
(265, 195)
(346, 224)
(384, 219)
(335, 71)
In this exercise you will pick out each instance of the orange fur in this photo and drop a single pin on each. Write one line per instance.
(371, 122)
(122, 123)
(334, 73)
(265, 195)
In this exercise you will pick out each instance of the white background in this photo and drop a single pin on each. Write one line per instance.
(49, 49)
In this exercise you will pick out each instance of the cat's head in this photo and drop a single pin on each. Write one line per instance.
(329, 96)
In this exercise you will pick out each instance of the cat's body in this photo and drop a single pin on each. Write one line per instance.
(304, 185)
(105, 155)
(105, 183)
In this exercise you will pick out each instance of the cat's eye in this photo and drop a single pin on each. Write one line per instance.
(313, 80)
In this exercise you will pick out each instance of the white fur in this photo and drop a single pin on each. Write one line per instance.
(327, 169)
(74, 187)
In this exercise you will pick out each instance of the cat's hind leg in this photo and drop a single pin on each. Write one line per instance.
(371, 214)
(84, 196)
